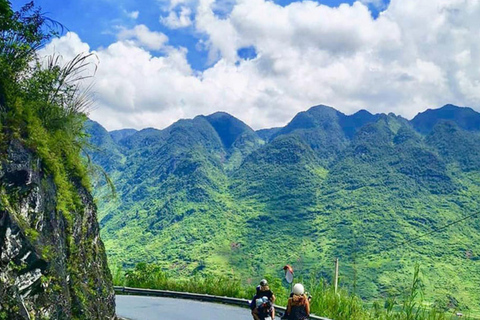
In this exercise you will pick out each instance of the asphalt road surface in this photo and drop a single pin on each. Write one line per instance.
(154, 308)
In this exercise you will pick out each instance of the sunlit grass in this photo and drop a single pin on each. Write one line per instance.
(325, 301)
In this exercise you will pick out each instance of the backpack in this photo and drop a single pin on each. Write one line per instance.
(265, 309)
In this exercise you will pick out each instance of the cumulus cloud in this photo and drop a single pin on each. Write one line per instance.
(415, 55)
(176, 20)
(140, 35)
(67, 46)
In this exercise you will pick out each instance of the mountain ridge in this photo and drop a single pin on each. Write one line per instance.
(196, 196)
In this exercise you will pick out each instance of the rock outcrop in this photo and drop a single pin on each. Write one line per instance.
(52, 263)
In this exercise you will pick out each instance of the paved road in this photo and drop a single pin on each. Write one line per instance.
(153, 308)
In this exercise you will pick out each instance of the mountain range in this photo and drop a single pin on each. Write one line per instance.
(212, 195)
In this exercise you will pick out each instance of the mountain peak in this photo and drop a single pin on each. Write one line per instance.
(220, 114)
(228, 127)
(466, 118)
(350, 124)
(322, 108)
(315, 117)
(362, 113)
(452, 107)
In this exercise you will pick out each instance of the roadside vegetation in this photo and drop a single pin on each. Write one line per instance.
(42, 103)
(325, 302)
(43, 107)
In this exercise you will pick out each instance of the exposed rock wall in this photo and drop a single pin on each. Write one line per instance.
(51, 267)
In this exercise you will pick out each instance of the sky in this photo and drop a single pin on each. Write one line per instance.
(264, 61)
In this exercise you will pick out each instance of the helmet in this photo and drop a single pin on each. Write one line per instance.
(298, 289)
(263, 282)
(261, 301)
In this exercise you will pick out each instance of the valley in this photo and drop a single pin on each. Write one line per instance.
(212, 196)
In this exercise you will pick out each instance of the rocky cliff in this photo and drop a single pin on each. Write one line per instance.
(52, 263)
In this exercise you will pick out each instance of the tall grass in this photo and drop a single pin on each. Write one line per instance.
(338, 306)
(152, 277)
(325, 301)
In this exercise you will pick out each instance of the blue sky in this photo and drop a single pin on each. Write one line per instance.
(97, 21)
(263, 62)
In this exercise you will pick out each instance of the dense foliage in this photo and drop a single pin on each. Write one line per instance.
(41, 103)
(373, 190)
(53, 263)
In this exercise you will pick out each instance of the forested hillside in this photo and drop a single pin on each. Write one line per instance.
(212, 195)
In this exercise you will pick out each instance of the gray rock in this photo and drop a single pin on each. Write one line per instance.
(51, 266)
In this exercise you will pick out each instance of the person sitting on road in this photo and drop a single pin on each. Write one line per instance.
(263, 290)
(298, 306)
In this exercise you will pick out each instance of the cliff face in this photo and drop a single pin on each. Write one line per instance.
(52, 263)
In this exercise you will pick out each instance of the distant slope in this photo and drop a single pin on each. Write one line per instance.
(212, 195)
(172, 178)
(238, 139)
(118, 135)
(455, 145)
(266, 134)
(106, 152)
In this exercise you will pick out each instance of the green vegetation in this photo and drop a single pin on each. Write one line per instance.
(209, 200)
(362, 188)
(325, 302)
(41, 103)
(44, 187)
(152, 276)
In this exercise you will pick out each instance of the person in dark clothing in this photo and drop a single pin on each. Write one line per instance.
(264, 309)
(298, 307)
(263, 290)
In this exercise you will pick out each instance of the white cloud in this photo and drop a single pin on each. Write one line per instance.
(140, 35)
(65, 49)
(176, 20)
(68, 46)
(133, 15)
(415, 55)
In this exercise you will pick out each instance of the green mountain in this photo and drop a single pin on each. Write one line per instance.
(267, 134)
(465, 118)
(118, 135)
(211, 195)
